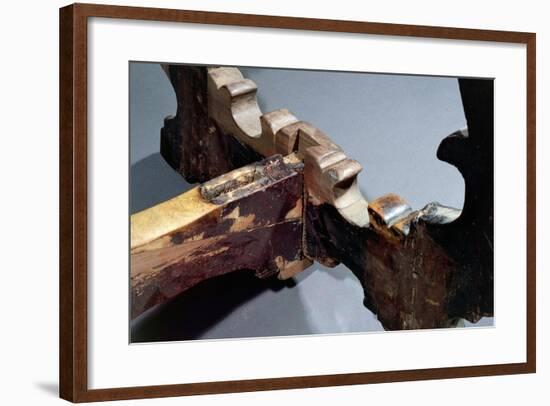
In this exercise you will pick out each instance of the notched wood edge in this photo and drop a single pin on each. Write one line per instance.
(330, 176)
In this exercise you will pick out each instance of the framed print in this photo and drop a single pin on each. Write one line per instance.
(255, 202)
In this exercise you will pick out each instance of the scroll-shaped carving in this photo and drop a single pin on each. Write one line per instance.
(232, 104)
(191, 142)
(330, 176)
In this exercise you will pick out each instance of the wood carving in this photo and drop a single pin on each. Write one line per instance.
(427, 268)
(419, 269)
(250, 218)
(191, 142)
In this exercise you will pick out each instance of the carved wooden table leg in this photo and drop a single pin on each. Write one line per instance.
(428, 268)
(419, 269)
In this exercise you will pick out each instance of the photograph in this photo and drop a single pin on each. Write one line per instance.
(253, 202)
(284, 202)
(216, 203)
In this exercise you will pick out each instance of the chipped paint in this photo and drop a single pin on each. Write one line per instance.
(242, 223)
(431, 302)
(296, 211)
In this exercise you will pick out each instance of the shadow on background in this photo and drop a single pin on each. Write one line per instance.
(153, 181)
(194, 312)
(50, 388)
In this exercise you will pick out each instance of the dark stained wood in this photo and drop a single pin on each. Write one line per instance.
(410, 280)
(219, 126)
(424, 269)
(73, 345)
(73, 216)
(301, 23)
(191, 142)
(469, 239)
(66, 209)
(329, 175)
(298, 382)
(265, 250)
(250, 218)
(404, 278)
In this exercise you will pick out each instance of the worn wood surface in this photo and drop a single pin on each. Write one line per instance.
(427, 268)
(421, 269)
(330, 175)
(232, 104)
(219, 126)
(250, 218)
(405, 278)
(469, 239)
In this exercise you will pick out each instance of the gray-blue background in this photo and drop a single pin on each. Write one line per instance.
(391, 124)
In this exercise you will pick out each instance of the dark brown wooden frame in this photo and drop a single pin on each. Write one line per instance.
(73, 201)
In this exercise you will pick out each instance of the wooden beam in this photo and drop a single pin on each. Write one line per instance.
(250, 218)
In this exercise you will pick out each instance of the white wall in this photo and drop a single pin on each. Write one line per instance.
(29, 128)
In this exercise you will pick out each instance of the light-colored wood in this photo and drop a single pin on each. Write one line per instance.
(289, 269)
(151, 225)
(330, 177)
(310, 136)
(250, 218)
(232, 104)
(272, 123)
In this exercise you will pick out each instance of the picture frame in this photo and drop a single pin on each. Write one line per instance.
(74, 202)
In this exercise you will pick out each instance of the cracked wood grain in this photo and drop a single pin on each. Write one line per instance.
(250, 218)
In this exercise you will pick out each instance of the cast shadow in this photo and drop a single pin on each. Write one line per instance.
(50, 388)
(192, 313)
(152, 181)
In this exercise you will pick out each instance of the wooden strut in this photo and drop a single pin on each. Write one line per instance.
(280, 194)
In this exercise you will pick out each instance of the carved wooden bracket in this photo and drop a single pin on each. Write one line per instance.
(227, 105)
(419, 269)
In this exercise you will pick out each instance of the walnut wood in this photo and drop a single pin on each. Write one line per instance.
(250, 218)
